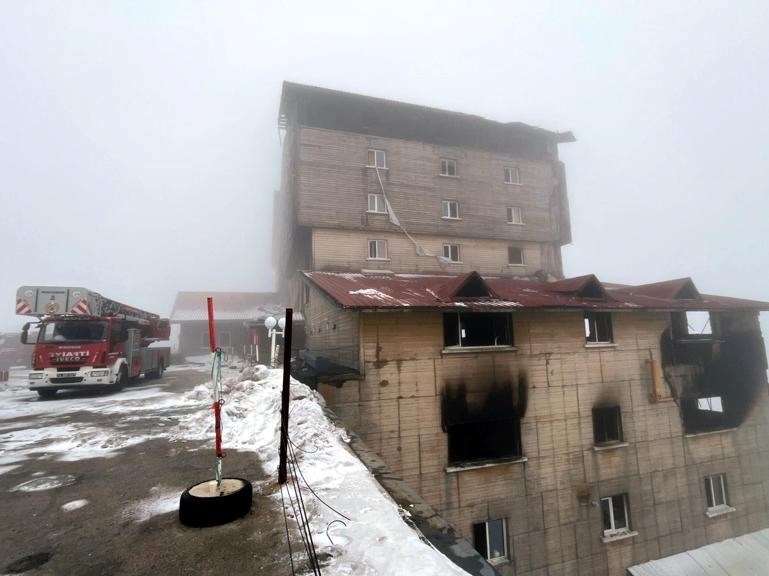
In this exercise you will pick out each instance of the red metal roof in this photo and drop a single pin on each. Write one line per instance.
(440, 291)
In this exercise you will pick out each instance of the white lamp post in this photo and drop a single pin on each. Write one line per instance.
(270, 324)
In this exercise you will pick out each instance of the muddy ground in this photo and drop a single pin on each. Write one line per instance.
(130, 524)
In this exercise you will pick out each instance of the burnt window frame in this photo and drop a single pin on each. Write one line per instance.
(590, 318)
(465, 318)
(600, 415)
(481, 539)
(612, 530)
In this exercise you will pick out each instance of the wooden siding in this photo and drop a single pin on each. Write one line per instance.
(329, 330)
(348, 250)
(396, 409)
(333, 184)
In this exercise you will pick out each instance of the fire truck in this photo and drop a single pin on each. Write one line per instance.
(84, 340)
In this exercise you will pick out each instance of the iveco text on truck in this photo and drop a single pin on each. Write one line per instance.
(84, 340)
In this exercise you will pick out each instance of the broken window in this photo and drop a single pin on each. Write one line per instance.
(490, 540)
(376, 158)
(512, 175)
(711, 404)
(450, 209)
(715, 491)
(377, 249)
(468, 329)
(376, 203)
(483, 424)
(607, 425)
(515, 255)
(698, 323)
(614, 514)
(598, 328)
(448, 167)
(451, 252)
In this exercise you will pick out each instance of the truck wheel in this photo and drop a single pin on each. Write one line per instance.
(47, 394)
(160, 370)
(205, 504)
(121, 380)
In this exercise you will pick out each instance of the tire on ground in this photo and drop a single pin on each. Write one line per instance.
(203, 505)
(47, 393)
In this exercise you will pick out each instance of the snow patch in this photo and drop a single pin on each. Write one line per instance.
(161, 500)
(74, 505)
(45, 483)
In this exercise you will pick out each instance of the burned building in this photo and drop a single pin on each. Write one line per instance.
(564, 426)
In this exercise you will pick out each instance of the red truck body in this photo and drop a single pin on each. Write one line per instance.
(83, 340)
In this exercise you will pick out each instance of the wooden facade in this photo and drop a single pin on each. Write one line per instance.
(550, 495)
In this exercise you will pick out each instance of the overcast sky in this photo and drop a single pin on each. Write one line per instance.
(139, 147)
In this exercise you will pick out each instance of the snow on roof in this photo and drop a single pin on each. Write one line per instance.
(746, 555)
(470, 290)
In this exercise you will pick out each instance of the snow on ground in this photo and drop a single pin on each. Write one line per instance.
(74, 505)
(375, 540)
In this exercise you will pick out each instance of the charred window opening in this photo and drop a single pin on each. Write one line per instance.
(484, 425)
(468, 329)
(607, 425)
(693, 325)
(598, 328)
(715, 378)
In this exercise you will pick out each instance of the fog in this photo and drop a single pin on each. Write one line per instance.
(139, 147)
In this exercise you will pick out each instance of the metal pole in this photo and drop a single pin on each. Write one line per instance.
(285, 396)
(272, 347)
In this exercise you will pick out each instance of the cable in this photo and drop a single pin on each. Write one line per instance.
(288, 538)
(313, 491)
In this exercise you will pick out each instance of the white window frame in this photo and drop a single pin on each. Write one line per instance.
(380, 250)
(448, 248)
(512, 175)
(446, 206)
(712, 491)
(379, 204)
(514, 215)
(496, 559)
(613, 530)
(523, 256)
(378, 153)
(448, 165)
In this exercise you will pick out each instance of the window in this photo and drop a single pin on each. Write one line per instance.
(512, 175)
(468, 329)
(515, 256)
(376, 158)
(451, 252)
(450, 209)
(698, 323)
(448, 167)
(377, 249)
(715, 491)
(490, 540)
(598, 328)
(376, 203)
(711, 404)
(514, 215)
(607, 425)
(614, 515)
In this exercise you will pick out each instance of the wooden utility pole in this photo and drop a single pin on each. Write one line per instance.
(282, 477)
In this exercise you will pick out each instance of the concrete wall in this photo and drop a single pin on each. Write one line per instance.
(550, 498)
